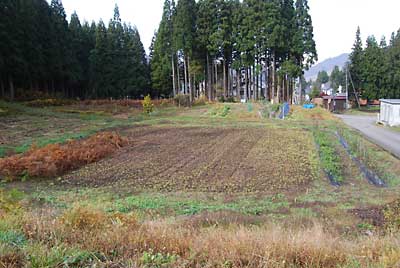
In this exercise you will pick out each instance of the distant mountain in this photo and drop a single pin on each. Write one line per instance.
(326, 65)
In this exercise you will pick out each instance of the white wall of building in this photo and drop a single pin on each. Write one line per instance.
(390, 113)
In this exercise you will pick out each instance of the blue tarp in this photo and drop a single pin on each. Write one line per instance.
(309, 106)
(285, 110)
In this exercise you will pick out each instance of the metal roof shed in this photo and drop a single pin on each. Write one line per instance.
(390, 112)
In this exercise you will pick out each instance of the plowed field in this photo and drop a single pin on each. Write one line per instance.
(205, 159)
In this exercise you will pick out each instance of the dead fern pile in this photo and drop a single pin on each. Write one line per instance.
(56, 159)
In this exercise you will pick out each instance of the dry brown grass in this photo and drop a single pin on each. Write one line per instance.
(121, 238)
(10, 258)
(55, 159)
(125, 102)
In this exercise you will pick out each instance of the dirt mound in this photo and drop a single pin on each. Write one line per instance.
(55, 159)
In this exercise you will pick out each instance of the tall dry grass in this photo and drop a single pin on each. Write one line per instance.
(122, 239)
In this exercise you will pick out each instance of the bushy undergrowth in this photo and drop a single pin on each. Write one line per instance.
(391, 213)
(124, 102)
(55, 159)
(182, 100)
(200, 101)
(229, 99)
(269, 110)
(221, 111)
(120, 240)
(40, 103)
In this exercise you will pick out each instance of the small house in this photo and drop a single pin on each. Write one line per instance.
(335, 103)
(390, 112)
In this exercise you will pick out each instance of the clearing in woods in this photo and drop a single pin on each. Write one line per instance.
(196, 182)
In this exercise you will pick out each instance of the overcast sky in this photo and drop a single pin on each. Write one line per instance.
(335, 21)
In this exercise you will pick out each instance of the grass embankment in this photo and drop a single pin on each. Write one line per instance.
(85, 236)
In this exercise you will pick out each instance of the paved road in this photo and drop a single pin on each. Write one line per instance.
(387, 139)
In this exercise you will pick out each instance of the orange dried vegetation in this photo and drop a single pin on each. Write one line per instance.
(56, 159)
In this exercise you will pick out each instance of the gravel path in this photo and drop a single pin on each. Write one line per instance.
(384, 137)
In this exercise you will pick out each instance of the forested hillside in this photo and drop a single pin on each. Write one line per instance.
(215, 48)
(375, 67)
(41, 50)
(250, 49)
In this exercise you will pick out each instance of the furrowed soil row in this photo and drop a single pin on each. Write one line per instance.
(205, 159)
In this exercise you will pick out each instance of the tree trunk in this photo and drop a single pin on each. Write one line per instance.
(225, 84)
(216, 78)
(278, 89)
(266, 76)
(3, 91)
(273, 78)
(283, 88)
(190, 80)
(208, 83)
(238, 84)
(230, 82)
(300, 91)
(178, 76)
(246, 90)
(287, 90)
(12, 91)
(53, 89)
(173, 75)
(185, 90)
(262, 92)
(256, 82)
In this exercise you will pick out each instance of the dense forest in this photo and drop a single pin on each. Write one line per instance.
(375, 67)
(230, 48)
(215, 48)
(41, 51)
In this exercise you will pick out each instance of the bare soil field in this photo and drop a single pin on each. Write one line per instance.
(205, 159)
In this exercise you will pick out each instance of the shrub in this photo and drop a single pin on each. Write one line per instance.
(230, 99)
(10, 200)
(200, 101)
(40, 103)
(392, 216)
(158, 260)
(148, 105)
(83, 218)
(55, 159)
(182, 100)
(269, 110)
(221, 111)
(221, 99)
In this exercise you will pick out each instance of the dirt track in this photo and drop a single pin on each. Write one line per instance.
(204, 159)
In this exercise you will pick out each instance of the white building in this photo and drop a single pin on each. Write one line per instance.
(390, 112)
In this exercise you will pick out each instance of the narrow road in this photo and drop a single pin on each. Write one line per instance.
(386, 138)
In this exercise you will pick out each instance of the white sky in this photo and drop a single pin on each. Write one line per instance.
(335, 21)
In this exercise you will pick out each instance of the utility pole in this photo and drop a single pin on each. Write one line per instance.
(347, 92)
(354, 90)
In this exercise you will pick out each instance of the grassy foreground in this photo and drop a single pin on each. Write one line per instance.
(256, 194)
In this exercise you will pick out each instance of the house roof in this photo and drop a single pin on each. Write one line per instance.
(334, 97)
(391, 101)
